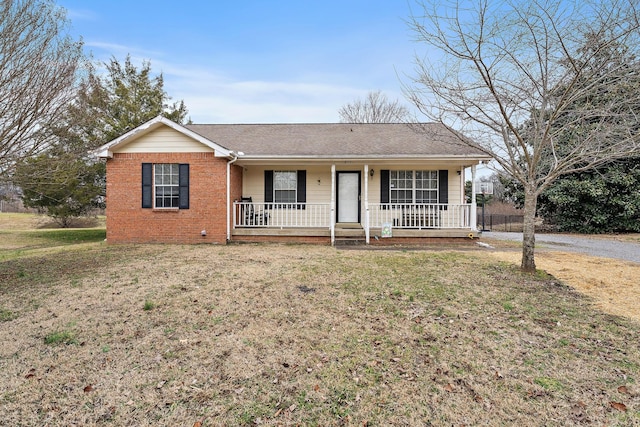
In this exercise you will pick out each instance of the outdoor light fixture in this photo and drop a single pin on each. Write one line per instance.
(371, 172)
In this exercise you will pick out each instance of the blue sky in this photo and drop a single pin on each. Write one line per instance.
(257, 61)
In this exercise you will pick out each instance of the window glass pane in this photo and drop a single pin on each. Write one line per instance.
(158, 174)
(285, 196)
(284, 180)
(285, 184)
(427, 196)
(175, 175)
(401, 196)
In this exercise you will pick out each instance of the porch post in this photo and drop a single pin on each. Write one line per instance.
(229, 163)
(332, 220)
(366, 203)
(463, 177)
(474, 207)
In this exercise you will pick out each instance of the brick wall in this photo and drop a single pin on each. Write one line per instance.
(128, 222)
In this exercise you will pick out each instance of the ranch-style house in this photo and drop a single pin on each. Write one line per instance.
(320, 183)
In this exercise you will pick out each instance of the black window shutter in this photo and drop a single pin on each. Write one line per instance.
(384, 187)
(183, 184)
(147, 185)
(268, 187)
(302, 189)
(443, 186)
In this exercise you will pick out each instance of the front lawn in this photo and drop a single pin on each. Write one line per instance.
(304, 335)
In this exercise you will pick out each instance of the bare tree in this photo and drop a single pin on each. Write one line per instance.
(515, 77)
(38, 67)
(375, 108)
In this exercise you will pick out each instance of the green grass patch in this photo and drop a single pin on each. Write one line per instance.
(71, 235)
(550, 384)
(20, 237)
(60, 337)
(7, 315)
(508, 305)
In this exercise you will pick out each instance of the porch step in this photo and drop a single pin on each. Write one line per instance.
(350, 241)
(348, 234)
(354, 231)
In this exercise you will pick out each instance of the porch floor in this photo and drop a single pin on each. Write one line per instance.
(353, 232)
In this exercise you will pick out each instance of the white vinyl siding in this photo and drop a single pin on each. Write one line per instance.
(164, 140)
(319, 182)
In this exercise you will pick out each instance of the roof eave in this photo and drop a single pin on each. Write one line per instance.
(466, 158)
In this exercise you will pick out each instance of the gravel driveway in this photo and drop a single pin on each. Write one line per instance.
(600, 247)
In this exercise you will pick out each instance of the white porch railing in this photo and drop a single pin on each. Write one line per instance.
(318, 215)
(279, 215)
(420, 216)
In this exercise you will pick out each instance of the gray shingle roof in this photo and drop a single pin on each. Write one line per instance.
(335, 140)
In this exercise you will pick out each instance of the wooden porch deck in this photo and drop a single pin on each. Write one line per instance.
(352, 232)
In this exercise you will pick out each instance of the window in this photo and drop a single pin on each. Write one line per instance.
(285, 188)
(285, 184)
(165, 186)
(413, 187)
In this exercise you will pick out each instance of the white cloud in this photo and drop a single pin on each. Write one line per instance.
(215, 98)
(104, 51)
(81, 15)
(212, 96)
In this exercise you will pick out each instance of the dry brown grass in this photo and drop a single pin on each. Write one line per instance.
(22, 221)
(613, 285)
(303, 335)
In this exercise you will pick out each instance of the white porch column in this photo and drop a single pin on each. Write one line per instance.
(366, 203)
(229, 163)
(474, 207)
(332, 208)
(463, 177)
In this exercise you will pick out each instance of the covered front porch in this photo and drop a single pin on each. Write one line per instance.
(314, 220)
(366, 221)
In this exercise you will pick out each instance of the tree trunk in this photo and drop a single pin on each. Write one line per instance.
(528, 233)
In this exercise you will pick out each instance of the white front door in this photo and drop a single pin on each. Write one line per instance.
(348, 196)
